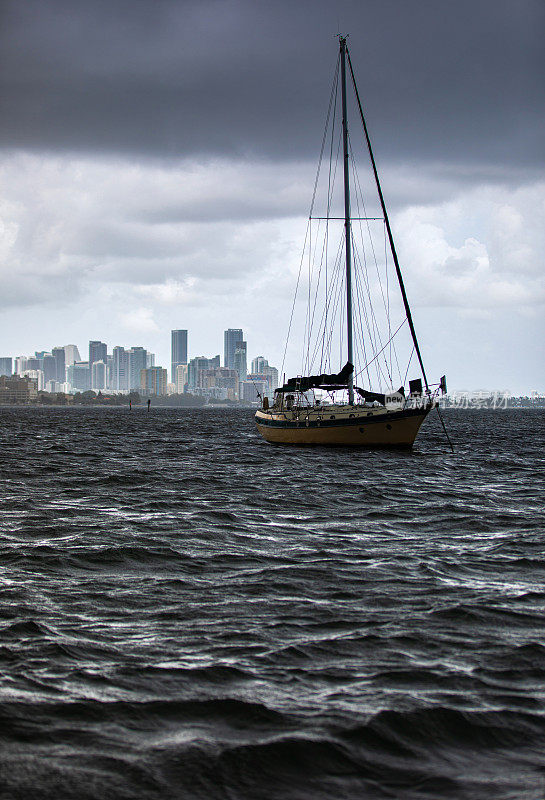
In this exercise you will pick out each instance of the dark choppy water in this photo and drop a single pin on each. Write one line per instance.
(188, 612)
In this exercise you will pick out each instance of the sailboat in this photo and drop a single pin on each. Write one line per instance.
(307, 409)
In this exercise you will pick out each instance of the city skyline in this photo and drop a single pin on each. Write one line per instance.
(538, 385)
(125, 370)
(453, 391)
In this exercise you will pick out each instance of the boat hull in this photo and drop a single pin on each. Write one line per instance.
(390, 429)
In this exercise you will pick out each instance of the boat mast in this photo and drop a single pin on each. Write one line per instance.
(388, 228)
(347, 229)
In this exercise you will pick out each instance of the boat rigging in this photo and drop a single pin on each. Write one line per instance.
(306, 409)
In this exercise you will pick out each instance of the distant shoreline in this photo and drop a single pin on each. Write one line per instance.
(124, 407)
(143, 407)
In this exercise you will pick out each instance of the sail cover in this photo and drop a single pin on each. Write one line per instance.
(383, 399)
(338, 381)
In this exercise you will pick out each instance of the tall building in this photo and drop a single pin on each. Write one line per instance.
(98, 351)
(272, 375)
(178, 351)
(6, 366)
(110, 372)
(259, 363)
(153, 380)
(262, 371)
(197, 367)
(120, 370)
(78, 376)
(240, 363)
(181, 378)
(71, 354)
(59, 355)
(99, 376)
(231, 338)
(20, 364)
(221, 383)
(49, 367)
(138, 359)
(249, 390)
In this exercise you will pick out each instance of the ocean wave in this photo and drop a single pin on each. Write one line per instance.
(190, 613)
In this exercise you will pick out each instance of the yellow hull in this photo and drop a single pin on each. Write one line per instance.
(386, 429)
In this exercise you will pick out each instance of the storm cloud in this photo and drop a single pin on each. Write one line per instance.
(441, 80)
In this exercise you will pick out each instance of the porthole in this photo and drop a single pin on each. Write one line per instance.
(388, 427)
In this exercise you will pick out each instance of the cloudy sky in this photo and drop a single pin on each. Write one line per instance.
(157, 160)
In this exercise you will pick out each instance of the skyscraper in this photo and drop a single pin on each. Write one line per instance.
(6, 366)
(231, 338)
(197, 366)
(220, 383)
(99, 375)
(258, 364)
(110, 373)
(181, 378)
(78, 376)
(138, 359)
(120, 370)
(98, 351)
(49, 367)
(71, 354)
(20, 364)
(261, 370)
(59, 354)
(240, 361)
(178, 352)
(153, 381)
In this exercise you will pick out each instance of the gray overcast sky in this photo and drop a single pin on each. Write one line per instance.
(157, 162)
